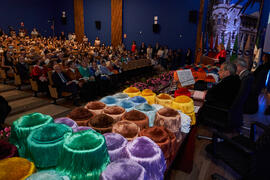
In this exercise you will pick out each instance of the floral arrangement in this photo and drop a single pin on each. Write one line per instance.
(5, 133)
(155, 83)
(162, 80)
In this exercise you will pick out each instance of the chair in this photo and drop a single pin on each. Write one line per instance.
(249, 158)
(33, 83)
(227, 119)
(53, 90)
(17, 79)
(34, 86)
(124, 66)
(3, 75)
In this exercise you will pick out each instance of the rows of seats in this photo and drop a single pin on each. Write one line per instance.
(136, 64)
(130, 69)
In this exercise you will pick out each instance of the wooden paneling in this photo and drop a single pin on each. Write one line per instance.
(116, 22)
(199, 30)
(79, 19)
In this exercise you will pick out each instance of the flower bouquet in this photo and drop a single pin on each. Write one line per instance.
(5, 133)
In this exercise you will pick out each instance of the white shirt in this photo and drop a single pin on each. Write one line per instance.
(85, 39)
(160, 53)
(97, 42)
(242, 72)
(149, 50)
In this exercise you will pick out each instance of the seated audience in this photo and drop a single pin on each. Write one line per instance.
(98, 62)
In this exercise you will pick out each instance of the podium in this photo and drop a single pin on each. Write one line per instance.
(207, 60)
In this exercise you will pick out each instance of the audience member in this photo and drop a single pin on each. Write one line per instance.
(142, 49)
(64, 84)
(94, 63)
(188, 56)
(23, 69)
(34, 33)
(74, 74)
(133, 47)
(97, 42)
(39, 74)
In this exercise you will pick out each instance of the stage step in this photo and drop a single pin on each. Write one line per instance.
(53, 110)
(15, 95)
(5, 87)
(26, 104)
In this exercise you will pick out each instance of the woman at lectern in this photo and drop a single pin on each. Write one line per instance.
(221, 56)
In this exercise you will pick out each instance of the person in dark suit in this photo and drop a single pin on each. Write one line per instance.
(5, 110)
(224, 93)
(23, 69)
(142, 49)
(242, 68)
(155, 49)
(188, 57)
(63, 84)
(260, 75)
(261, 79)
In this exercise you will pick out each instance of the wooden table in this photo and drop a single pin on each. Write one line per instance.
(181, 145)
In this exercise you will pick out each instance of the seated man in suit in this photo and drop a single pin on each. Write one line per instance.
(224, 93)
(62, 83)
(242, 68)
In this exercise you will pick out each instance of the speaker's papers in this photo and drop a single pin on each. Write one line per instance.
(185, 77)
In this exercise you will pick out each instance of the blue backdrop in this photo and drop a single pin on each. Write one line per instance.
(98, 10)
(173, 17)
(138, 17)
(36, 14)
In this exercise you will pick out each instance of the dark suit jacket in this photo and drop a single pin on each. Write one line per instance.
(23, 71)
(260, 74)
(244, 74)
(58, 83)
(223, 94)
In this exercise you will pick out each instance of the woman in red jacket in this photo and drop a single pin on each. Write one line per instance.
(133, 47)
(39, 74)
(221, 56)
